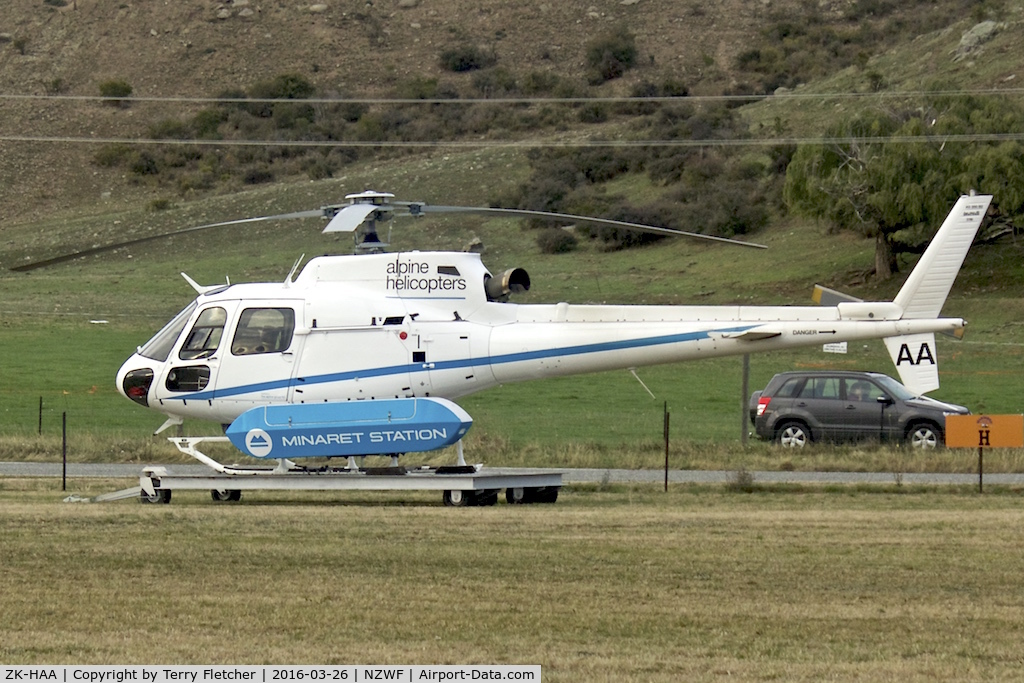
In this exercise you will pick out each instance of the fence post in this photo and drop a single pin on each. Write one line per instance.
(666, 445)
(64, 450)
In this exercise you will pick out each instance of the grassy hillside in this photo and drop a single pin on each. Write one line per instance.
(54, 349)
(56, 52)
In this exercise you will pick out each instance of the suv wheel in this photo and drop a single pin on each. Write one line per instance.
(793, 435)
(923, 436)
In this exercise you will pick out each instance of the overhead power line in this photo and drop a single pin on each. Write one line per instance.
(787, 95)
(528, 144)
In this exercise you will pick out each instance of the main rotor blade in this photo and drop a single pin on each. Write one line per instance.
(150, 238)
(415, 209)
(351, 217)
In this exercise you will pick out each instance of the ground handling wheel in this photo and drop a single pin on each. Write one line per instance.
(159, 496)
(456, 498)
(459, 498)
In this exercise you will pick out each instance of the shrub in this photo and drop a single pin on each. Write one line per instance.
(417, 88)
(143, 163)
(370, 128)
(233, 94)
(117, 91)
(256, 176)
(555, 241)
(56, 86)
(194, 182)
(318, 169)
(495, 83)
(109, 156)
(205, 124)
(593, 112)
(464, 58)
(282, 87)
(293, 116)
(539, 82)
(611, 55)
(169, 129)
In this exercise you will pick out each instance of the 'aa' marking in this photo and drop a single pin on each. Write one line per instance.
(924, 353)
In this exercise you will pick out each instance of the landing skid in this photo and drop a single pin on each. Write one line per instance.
(187, 445)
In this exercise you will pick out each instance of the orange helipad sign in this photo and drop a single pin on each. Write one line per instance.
(985, 431)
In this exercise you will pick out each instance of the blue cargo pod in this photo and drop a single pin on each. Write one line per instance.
(379, 427)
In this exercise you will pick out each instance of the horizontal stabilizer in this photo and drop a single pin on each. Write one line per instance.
(823, 296)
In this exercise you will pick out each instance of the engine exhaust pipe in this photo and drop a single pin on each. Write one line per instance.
(512, 281)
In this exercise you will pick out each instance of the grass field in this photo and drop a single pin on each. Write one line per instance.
(613, 583)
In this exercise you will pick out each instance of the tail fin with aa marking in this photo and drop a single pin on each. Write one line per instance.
(925, 292)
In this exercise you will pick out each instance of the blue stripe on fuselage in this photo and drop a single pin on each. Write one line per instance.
(578, 350)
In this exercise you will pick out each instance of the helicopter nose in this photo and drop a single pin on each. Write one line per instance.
(135, 385)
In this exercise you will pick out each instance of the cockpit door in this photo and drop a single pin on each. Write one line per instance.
(192, 368)
(258, 361)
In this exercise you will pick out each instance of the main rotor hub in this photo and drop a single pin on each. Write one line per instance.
(370, 197)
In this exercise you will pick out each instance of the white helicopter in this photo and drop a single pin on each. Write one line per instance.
(363, 354)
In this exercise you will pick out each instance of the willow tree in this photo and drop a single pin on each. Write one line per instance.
(894, 175)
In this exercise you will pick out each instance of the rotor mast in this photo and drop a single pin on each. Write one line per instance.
(367, 240)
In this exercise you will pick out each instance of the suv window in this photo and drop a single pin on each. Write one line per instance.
(862, 390)
(790, 388)
(821, 387)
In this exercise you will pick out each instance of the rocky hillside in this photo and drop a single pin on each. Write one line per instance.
(198, 47)
(353, 48)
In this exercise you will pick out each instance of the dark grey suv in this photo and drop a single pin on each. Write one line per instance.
(799, 407)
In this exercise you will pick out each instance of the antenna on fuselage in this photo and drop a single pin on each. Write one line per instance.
(291, 274)
(632, 371)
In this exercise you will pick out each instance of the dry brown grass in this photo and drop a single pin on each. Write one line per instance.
(612, 583)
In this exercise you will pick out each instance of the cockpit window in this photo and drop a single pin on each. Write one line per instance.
(263, 330)
(205, 336)
(159, 347)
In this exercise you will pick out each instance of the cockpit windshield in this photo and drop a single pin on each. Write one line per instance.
(159, 347)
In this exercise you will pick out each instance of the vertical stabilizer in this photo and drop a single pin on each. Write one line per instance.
(925, 291)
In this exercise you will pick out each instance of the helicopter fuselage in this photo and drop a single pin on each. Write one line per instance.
(432, 324)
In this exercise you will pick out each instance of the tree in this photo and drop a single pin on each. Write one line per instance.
(893, 175)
